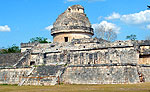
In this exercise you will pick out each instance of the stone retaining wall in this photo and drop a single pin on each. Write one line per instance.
(101, 75)
(12, 75)
(145, 71)
(43, 75)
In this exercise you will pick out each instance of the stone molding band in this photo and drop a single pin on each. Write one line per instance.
(57, 29)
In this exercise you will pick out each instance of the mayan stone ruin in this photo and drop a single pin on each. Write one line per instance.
(74, 57)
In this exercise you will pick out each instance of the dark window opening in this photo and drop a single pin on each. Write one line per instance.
(44, 62)
(44, 55)
(69, 9)
(32, 63)
(144, 56)
(66, 39)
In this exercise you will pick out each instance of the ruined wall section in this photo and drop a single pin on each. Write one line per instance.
(12, 75)
(105, 56)
(80, 52)
(144, 71)
(94, 63)
(101, 75)
(144, 55)
(44, 75)
(105, 66)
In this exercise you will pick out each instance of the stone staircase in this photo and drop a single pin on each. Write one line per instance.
(58, 75)
(42, 73)
(45, 75)
(26, 79)
(24, 58)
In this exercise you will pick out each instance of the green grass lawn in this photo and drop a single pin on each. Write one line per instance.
(142, 87)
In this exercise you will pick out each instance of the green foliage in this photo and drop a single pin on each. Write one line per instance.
(8, 84)
(3, 51)
(12, 49)
(131, 37)
(3, 84)
(39, 39)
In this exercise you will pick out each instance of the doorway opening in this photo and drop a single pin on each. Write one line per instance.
(32, 63)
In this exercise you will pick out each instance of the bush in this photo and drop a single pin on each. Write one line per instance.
(12, 49)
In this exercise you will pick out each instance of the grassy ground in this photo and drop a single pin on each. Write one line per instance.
(142, 87)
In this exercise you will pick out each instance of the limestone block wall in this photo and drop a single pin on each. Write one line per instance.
(144, 59)
(144, 55)
(43, 75)
(100, 56)
(98, 66)
(56, 58)
(105, 56)
(60, 37)
(90, 62)
(25, 46)
(145, 71)
(12, 75)
(100, 75)
(102, 66)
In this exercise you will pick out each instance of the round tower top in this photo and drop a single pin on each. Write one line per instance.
(72, 20)
(76, 8)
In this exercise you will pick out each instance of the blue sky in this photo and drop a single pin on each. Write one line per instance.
(21, 20)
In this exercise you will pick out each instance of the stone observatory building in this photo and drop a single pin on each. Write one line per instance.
(76, 58)
(71, 24)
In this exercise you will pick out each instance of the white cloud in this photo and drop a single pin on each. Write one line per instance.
(148, 26)
(113, 16)
(107, 26)
(49, 27)
(5, 28)
(135, 18)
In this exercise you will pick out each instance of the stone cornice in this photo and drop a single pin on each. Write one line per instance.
(65, 29)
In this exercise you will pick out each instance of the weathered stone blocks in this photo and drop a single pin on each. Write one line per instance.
(101, 75)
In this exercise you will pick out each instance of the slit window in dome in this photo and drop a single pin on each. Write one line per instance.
(66, 39)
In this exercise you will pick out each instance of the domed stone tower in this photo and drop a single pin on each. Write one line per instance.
(72, 24)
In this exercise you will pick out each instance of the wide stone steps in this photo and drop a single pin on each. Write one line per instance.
(25, 79)
(22, 59)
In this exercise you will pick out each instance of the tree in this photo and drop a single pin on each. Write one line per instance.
(131, 37)
(39, 39)
(107, 34)
(3, 51)
(12, 49)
